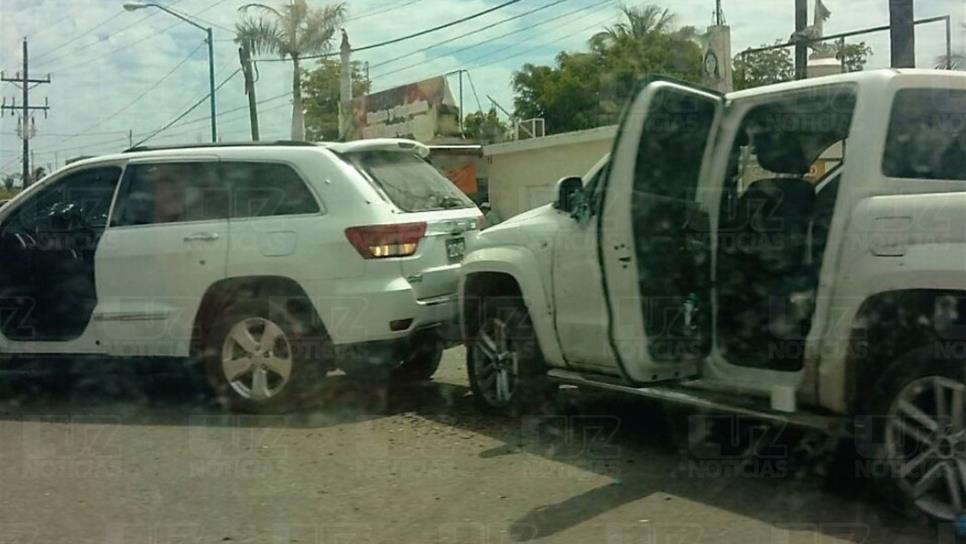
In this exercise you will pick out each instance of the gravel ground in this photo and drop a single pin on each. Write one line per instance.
(139, 456)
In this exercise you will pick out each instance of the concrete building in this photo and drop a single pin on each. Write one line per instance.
(522, 174)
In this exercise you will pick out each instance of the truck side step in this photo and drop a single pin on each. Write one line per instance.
(704, 399)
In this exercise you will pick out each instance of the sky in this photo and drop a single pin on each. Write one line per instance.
(115, 71)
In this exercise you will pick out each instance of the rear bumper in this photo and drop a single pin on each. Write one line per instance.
(359, 310)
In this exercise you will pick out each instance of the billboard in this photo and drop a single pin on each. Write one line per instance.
(423, 111)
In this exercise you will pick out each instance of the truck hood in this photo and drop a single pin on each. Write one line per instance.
(531, 227)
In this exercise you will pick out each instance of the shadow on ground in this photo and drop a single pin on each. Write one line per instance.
(779, 477)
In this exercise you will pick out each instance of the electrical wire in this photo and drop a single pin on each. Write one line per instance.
(127, 46)
(479, 106)
(380, 11)
(408, 36)
(40, 57)
(154, 86)
(494, 38)
(191, 109)
(74, 51)
(470, 33)
(597, 24)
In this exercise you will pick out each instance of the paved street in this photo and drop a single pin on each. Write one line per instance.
(139, 457)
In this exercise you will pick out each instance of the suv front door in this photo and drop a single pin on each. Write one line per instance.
(655, 243)
(167, 243)
(47, 281)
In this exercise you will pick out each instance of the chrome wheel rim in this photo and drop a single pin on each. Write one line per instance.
(256, 359)
(496, 367)
(925, 442)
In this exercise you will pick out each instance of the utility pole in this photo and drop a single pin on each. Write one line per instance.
(245, 55)
(902, 32)
(461, 102)
(718, 14)
(345, 87)
(27, 125)
(801, 49)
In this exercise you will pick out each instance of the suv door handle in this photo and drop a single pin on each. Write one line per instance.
(202, 237)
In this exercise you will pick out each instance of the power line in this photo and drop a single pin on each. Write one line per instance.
(479, 106)
(189, 110)
(408, 36)
(437, 28)
(154, 86)
(81, 35)
(470, 33)
(126, 46)
(380, 11)
(91, 44)
(544, 44)
(501, 36)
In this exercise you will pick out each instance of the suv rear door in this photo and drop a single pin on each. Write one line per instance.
(423, 195)
(655, 244)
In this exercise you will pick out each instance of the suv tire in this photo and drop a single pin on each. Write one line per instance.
(261, 359)
(916, 430)
(507, 373)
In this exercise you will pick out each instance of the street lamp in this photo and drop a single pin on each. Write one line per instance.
(133, 6)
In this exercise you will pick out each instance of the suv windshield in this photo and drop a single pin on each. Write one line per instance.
(409, 182)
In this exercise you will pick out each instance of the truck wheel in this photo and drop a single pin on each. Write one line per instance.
(506, 370)
(260, 359)
(421, 363)
(917, 430)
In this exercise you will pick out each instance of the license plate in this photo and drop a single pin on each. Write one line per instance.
(455, 249)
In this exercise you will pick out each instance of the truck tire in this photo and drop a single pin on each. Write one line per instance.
(507, 373)
(260, 359)
(915, 433)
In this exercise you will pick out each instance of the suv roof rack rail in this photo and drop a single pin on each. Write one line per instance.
(280, 143)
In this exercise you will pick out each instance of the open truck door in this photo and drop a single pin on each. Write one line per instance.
(655, 235)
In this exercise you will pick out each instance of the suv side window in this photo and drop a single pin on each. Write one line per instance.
(171, 193)
(267, 189)
(87, 193)
(927, 135)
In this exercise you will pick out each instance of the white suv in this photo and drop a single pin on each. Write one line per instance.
(795, 253)
(271, 263)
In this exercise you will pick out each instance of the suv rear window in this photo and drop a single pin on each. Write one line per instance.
(927, 135)
(409, 182)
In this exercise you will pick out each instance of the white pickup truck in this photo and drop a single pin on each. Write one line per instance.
(795, 253)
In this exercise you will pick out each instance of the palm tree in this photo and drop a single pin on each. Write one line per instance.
(641, 21)
(293, 31)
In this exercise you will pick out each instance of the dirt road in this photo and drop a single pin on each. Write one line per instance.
(136, 457)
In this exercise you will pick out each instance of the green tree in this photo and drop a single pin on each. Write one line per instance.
(776, 65)
(641, 21)
(486, 127)
(321, 89)
(763, 67)
(585, 90)
(8, 182)
(855, 55)
(293, 31)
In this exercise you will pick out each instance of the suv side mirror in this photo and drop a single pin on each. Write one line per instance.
(569, 192)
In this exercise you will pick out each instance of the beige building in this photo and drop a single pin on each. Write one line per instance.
(522, 174)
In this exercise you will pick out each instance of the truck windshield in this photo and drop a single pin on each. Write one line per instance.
(409, 182)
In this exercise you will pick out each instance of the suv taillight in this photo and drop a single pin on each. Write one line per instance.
(382, 241)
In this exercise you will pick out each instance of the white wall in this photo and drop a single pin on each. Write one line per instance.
(523, 174)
